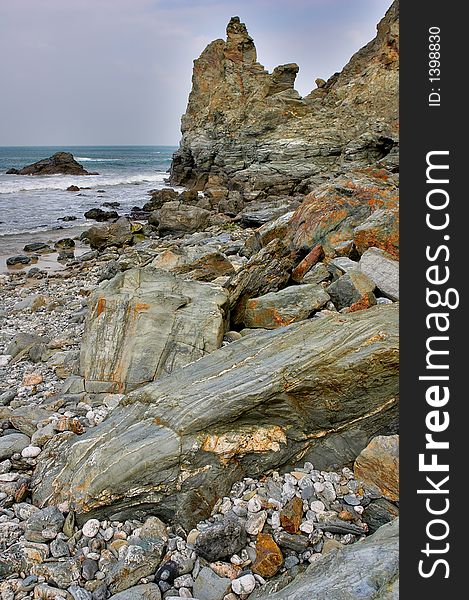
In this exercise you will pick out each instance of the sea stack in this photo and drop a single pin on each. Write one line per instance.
(60, 163)
(250, 130)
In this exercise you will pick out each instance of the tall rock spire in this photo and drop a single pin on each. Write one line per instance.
(250, 130)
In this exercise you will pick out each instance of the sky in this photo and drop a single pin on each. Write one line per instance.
(118, 72)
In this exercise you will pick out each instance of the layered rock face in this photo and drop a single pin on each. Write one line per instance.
(249, 130)
(180, 442)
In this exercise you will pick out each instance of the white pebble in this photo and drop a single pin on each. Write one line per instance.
(30, 452)
(91, 528)
(243, 585)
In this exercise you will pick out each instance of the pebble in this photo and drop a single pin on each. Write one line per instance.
(243, 585)
(31, 452)
(91, 528)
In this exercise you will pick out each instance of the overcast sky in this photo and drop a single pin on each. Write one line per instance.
(103, 72)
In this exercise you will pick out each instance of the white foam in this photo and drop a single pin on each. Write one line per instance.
(29, 183)
(88, 159)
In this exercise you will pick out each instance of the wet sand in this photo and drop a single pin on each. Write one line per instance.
(12, 245)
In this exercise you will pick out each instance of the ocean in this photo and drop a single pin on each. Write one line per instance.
(32, 204)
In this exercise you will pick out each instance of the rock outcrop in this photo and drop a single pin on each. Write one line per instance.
(60, 163)
(178, 444)
(250, 130)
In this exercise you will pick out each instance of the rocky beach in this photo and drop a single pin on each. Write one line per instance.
(199, 393)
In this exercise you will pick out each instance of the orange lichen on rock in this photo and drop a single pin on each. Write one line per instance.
(269, 557)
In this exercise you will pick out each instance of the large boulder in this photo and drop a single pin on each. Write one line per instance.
(368, 570)
(176, 217)
(176, 445)
(331, 215)
(114, 234)
(145, 323)
(60, 163)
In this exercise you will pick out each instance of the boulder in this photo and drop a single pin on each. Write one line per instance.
(158, 198)
(367, 570)
(177, 217)
(383, 269)
(98, 214)
(351, 288)
(210, 586)
(221, 540)
(73, 188)
(40, 247)
(116, 234)
(378, 466)
(379, 230)
(145, 323)
(277, 309)
(12, 261)
(198, 263)
(146, 591)
(60, 163)
(12, 444)
(330, 215)
(174, 446)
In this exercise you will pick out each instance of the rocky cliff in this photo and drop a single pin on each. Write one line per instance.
(249, 130)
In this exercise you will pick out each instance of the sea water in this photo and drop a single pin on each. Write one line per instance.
(33, 204)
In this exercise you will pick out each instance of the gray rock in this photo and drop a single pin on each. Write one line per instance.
(378, 513)
(7, 397)
(351, 287)
(62, 573)
(146, 323)
(23, 342)
(221, 540)
(147, 591)
(13, 443)
(176, 217)
(114, 234)
(142, 556)
(210, 586)
(316, 274)
(187, 437)
(48, 519)
(383, 269)
(291, 541)
(80, 593)
(367, 570)
(340, 265)
(292, 304)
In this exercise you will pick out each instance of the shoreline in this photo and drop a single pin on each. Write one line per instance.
(13, 244)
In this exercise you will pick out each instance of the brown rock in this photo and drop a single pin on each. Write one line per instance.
(269, 557)
(378, 466)
(267, 271)
(308, 261)
(291, 514)
(32, 379)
